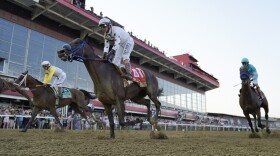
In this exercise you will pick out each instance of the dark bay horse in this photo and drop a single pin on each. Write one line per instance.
(108, 83)
(250, 103)
(44, 98)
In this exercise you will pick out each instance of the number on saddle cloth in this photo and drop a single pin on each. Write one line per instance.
(138, 75)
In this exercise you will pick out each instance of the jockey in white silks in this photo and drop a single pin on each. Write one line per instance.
(123, 45)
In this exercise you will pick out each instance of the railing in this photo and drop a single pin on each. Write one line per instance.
(147, 126)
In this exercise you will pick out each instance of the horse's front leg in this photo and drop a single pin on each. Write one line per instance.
(249, 121)
(255, 121)
(121, 111)
(259, 120)
(34, 114)
(108, 109)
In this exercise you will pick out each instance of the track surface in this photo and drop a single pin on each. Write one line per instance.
(132, 143)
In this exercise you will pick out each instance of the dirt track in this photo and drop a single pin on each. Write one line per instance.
(49, 142)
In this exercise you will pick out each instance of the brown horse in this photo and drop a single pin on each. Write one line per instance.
(7, 85)
(108, 83)
(44, 98)
(250, 103)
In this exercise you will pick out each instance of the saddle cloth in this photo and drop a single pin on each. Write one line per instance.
(64, 92)
(138, 76)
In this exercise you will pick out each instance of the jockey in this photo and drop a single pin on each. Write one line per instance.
(123, 45)
(51, 71)
(253, 75)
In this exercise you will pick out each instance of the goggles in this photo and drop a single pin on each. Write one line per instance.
(103, 26)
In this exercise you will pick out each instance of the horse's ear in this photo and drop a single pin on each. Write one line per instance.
(86, 37)
(26, 72)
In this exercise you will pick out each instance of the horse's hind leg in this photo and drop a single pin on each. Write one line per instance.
(267, 125)
(78, 110)
(147, 103)
(157, 104)
(34, 114)
(54, 114)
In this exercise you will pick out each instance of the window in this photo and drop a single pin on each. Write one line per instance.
(2, 65)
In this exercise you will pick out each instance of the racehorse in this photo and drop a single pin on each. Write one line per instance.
(7, 85)
(251, 104)
(108, 83)
(44, 98)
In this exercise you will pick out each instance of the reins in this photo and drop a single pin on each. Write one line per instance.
(81, 58)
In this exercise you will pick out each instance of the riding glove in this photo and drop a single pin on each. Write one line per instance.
(111, 55)
(112, 52)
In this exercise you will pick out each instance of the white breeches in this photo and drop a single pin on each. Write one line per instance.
(255, 81)
(59, 80)
(123, 52)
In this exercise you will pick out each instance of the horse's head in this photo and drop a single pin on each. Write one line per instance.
(245, 76)
(78, 50)
(25, 80)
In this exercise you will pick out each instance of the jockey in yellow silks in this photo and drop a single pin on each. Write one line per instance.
(52, 71)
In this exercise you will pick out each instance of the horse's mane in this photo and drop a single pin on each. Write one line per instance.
(36, 80)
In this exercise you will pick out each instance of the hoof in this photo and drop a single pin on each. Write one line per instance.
(268, 131)
(261, 126)
(254, 135)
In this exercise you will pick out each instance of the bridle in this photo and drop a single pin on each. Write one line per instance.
(22, 81)
(72, 52)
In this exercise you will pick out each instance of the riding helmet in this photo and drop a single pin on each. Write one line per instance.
(245, 60)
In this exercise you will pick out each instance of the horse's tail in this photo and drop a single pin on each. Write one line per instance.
(88, 95)
(160, 92)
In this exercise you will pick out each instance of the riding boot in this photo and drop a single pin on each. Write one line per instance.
(57, 96)
(128, 75)
(259, 93)
(58, 92)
